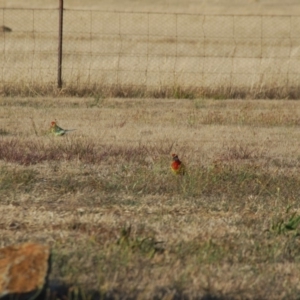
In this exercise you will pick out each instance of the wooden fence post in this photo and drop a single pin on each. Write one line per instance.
(60, 41)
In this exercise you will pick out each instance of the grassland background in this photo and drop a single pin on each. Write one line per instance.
(103, 196)
(256, 54)
(271, 7)
(228, 229)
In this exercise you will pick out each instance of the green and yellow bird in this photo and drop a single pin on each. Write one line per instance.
(58, 131)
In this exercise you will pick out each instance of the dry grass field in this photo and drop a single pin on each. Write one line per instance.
(119, 222)
(253, 55)
(269, 7)
(103, 196)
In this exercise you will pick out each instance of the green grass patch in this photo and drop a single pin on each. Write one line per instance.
(17, 180)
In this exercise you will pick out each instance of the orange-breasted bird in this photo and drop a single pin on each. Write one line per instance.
(177, 166)
(58, 131)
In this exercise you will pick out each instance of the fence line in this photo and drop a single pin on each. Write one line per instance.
(152, 50)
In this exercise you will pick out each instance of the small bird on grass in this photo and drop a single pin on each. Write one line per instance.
(58, 131)
(177, 166)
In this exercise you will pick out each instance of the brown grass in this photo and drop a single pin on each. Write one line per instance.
(270, 91)
(120, 223)
(107, 55)
(254, 7)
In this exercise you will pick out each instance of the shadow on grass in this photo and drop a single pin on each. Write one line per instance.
(58, 290)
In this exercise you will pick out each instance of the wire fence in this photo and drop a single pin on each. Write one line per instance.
(152, 50)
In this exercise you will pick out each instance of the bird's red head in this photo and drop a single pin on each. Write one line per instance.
(53, 123)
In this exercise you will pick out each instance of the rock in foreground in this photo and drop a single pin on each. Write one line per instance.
(23, 270)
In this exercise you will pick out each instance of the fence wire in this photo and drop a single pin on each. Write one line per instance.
(150, 49)
(29, 50)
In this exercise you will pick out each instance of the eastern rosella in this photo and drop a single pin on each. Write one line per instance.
(177, 166)
(58, 131)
